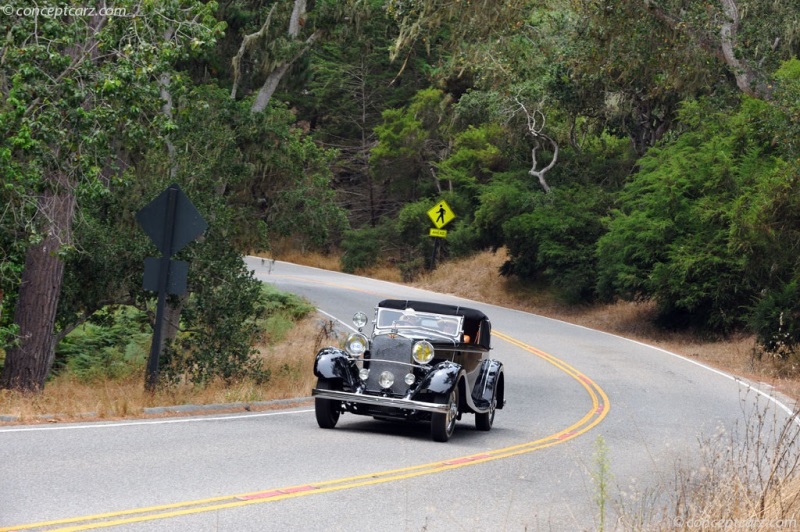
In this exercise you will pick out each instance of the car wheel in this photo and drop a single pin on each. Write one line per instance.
(486, 420)
(326, 410)
(443, 425)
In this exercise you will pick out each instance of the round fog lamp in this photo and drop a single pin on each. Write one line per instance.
(386, 379)
(410, 378)
(363, 374)
(422, 352)
(356, 344)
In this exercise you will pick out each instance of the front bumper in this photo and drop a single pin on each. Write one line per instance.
(376, 400)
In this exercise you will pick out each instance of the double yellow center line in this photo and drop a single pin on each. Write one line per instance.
(598, 411)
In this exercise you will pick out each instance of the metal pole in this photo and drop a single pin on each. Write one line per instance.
(163, 278)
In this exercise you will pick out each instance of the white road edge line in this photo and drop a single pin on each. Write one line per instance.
(106, 425)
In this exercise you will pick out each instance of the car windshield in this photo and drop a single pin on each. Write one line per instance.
(419, 324)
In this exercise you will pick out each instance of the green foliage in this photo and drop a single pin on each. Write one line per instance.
(220, 318)
(787, 97)
(413, 242)
(287, 304)
(80, 96)
(556, 241)
(223, 322)
(671, 238)
(410, 143)
(504, 198)
(113, 345)
(307, 210)
(475, 157)
(363, 247)
(462, 240)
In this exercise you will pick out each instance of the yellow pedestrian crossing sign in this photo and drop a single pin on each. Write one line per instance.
(441, 214)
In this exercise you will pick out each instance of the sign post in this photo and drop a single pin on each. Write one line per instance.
(440, 214)
(171, 222)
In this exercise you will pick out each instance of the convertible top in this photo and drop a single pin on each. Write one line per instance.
(434, 308)
(476, 323)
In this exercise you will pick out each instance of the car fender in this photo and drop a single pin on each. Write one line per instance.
(441, 379)
(490, 383)
(333, 363)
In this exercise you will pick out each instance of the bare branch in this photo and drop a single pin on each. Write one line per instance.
(536, 121)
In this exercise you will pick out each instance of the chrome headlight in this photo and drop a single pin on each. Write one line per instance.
(356, 344)
(359, 320)
(422, 352)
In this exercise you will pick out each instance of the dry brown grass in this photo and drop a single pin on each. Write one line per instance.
(330, 261)
(288, 250)
(66, 398)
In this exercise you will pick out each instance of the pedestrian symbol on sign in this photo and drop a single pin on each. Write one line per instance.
(441, 214)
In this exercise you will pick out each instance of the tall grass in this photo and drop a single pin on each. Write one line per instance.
(747, 478)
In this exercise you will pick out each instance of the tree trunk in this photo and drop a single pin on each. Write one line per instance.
(28, 363)
(296, 21)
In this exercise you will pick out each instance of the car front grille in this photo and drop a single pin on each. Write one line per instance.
(389, 354)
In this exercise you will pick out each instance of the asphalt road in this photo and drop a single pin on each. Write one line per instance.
(569, 390)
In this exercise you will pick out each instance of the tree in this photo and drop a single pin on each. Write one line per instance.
(673, 238)
(749, 37)
(272, 51)
(645, 56)
(350, 82)
(556, 241)
(68, 84)
(411, 142)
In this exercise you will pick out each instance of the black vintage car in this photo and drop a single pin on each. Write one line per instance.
(424, 362)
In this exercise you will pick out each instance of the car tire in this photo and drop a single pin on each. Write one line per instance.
(485, 420)
(443, 425)
(326, 410)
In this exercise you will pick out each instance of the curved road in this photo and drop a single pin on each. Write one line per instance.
(569, 389)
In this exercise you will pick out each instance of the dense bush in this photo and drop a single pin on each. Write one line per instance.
(362, 247)
(220, 323)
(556, 241)
(671, 237)
(113, 345)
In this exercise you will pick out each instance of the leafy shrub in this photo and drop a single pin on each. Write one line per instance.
(556, 241)
(362, 248)
(673, 237)
(222, 323)
(113, 346)
(504, 198)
